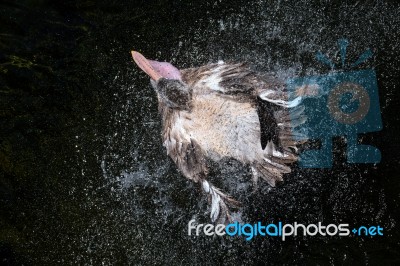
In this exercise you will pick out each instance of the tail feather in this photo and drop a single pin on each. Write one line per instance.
(219, 201)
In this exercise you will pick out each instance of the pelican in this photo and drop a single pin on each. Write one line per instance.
(224, 110)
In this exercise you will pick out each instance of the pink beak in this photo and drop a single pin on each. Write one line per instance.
(144, 64)
(155, 69)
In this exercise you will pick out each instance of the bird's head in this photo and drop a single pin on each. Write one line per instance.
(166, 80)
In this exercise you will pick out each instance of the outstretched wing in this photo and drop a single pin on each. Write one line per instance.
(267, 93)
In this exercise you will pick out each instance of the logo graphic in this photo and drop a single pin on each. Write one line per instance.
(281, 230)
(338, 104)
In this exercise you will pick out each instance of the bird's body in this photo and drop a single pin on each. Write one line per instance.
(222, 126)
(214, 112)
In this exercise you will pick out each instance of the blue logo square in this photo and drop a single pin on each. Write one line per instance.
(338, 104)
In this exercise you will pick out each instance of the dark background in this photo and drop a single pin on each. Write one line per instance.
(84, 178)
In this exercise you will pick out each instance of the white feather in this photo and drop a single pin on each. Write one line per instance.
(206, 186)
(215, 199)
(213, 80)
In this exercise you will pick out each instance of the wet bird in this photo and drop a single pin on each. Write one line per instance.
(219, 111)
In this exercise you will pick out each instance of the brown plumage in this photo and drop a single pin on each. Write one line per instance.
(214, 112)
